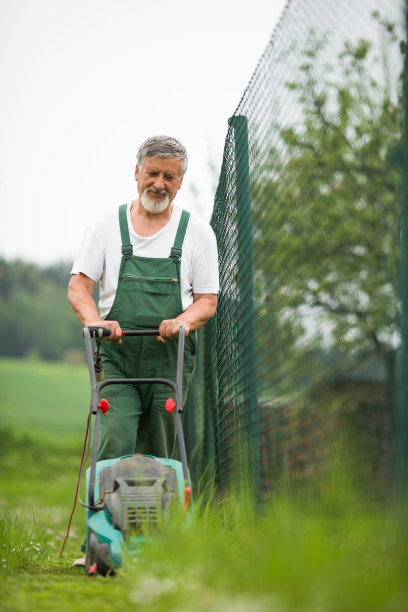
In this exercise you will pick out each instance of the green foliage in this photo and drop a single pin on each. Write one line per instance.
(35, 316)
(331, 212)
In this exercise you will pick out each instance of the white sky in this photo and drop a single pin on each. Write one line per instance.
(84, 82)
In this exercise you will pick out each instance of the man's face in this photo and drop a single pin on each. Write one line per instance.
(158, 181)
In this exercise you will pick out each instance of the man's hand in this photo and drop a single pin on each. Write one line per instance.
(194, 317)
(116, 331)
(169, 328)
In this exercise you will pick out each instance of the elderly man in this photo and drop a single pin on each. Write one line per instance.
(157, 268)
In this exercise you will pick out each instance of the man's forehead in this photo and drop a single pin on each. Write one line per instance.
(163, 162)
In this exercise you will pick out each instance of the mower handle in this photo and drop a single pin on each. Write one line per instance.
(104, 332)
(99, 332)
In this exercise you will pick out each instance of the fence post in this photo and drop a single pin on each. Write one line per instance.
(402, 425)
(239, 123)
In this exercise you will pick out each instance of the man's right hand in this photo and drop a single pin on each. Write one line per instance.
(116, 330)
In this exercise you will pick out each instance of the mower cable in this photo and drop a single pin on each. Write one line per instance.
(77, 485)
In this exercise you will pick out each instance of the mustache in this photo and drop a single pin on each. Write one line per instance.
(161, 191)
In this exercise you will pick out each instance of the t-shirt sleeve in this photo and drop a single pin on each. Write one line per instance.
(205, 264)
(90, 258)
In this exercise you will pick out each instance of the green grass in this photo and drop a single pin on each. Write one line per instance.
(44, 398)
(298, 555)
(288, 559)
(22, 545)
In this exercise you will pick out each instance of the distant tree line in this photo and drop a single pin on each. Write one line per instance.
(36, 319)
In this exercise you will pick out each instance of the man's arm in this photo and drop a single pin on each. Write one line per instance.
(195, 316)
(80, 291)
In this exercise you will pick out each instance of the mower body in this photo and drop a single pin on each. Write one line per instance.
(132, 494)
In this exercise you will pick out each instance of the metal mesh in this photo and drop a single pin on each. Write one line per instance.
(298, 370)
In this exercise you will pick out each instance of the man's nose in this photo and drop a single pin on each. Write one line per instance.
(159, 183)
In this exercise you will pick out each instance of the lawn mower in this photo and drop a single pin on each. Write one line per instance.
(126, 497)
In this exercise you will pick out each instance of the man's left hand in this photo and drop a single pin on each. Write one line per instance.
(169, 328)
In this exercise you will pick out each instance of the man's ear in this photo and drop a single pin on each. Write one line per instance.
(137, 172)
(180, 182)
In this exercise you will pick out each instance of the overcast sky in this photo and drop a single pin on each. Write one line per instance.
(84, 82)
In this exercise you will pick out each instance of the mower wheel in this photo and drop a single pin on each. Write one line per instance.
(97, 557)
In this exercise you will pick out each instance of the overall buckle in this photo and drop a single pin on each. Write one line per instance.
(175, 254)
(127, 251)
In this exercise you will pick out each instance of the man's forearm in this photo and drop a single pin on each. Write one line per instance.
(84, 308)
(201, 311)
(81, 300)
(80, 291)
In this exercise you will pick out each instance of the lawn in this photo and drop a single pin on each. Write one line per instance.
(340, 555)
(42, 397)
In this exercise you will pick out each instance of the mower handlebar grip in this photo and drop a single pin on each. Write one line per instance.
(99, 332)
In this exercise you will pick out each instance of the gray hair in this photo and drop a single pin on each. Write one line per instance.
(163, 146)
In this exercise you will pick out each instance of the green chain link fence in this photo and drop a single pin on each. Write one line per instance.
(298, 371)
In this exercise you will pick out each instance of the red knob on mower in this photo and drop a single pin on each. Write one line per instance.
(93, 570)
(187, 497)
(170, 404)
(103, 405)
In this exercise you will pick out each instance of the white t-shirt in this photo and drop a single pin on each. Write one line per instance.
(100, 254)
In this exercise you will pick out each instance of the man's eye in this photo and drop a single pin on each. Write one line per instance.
(168, 177)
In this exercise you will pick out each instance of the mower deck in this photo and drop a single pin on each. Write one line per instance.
(131, 494)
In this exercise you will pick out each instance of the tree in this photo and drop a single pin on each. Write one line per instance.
(35, 316)
(327, 208)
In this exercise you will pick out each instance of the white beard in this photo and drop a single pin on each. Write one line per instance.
(152, 206)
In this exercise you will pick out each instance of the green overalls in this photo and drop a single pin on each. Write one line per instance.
(148, 292)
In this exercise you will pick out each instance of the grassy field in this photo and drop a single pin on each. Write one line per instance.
(37, 397)
(340, 556)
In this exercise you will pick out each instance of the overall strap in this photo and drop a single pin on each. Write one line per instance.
(127, 248)
(176, 249)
